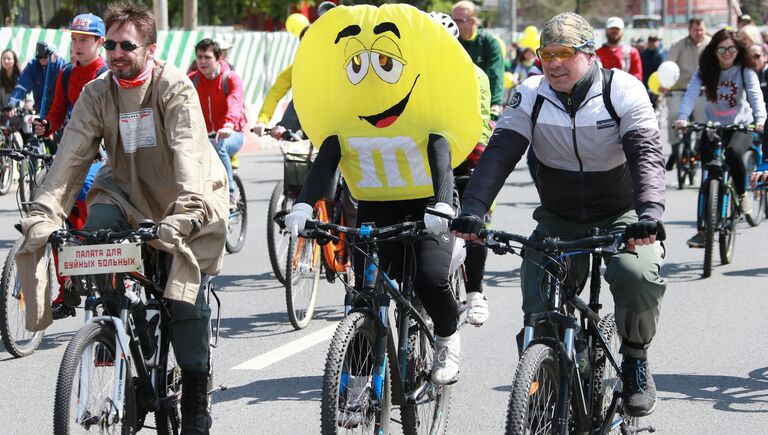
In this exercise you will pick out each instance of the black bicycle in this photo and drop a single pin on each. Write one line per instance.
(688, 159)
(371, 365)
(568, 379)
(119, 366)
(32, 171)
(719, 207)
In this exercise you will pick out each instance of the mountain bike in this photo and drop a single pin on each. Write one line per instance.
(237, 226)
(32, 170)
(119, 366)
(688, 159)
(752, 159)
(719, 206)
(568, 379)
(377, 358)
(10, 139)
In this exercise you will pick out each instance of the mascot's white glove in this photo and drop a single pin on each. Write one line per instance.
(298, 217)
(435, 224)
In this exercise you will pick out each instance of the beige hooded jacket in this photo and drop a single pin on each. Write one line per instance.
(161, 166)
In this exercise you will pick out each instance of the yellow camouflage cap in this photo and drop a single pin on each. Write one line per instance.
(571, 30)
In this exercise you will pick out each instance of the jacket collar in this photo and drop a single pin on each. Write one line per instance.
(585, 89)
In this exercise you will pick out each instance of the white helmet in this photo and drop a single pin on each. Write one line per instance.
(446, 21)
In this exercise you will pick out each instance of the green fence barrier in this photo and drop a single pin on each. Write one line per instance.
(258, 57)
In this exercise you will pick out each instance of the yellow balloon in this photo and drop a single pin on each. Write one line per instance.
(653, 83)
(382, 80)
(296, 23)
(531, 31)
(509, 80)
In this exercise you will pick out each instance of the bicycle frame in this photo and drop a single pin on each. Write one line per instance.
(717, 169)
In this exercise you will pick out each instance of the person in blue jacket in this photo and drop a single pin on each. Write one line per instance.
(33, 77)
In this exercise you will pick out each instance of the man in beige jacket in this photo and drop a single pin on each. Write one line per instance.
(160, 166)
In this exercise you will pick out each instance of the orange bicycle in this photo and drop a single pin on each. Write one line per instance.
(306, 257)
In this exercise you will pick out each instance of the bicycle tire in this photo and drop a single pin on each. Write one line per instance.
(606, 380)
(758, 196)
(102, 337)
(168, 417)
(681, 165)
(9, 305)
(537, 372)
(6, 174)
(727, 234)
(25, 187)
(459, 290)
(277, 238)
(710, 222)
(237, 216)
(302, 280)
(356, 334)
(430, 416)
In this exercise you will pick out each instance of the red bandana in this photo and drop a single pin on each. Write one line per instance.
(139, 80)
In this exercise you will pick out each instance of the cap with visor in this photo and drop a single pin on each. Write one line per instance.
(571, 30)
(87, 24)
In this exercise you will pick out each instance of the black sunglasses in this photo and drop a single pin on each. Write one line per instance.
(110, 45)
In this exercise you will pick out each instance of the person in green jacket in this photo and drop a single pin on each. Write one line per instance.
(483, 49)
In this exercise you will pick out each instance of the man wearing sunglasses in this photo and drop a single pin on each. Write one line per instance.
(161, 167)
(599, 165)
(87, 32)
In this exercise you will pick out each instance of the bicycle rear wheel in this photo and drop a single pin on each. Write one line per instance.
(349, 399)
(533, 400)
(238, 220)
(6, 174)
(758, 196)
(683, 158)
(17, 340)
(710, 222)
(81, 407)
(277, 238)
(727, 236)
(427, 405)
(168, 416)
(302, 280)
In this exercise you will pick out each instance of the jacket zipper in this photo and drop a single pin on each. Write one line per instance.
(582, 194)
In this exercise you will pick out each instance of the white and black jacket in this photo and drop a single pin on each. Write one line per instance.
(588, 167)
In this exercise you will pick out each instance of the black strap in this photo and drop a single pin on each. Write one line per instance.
(607, 81)
(535, 112)
(224, 81)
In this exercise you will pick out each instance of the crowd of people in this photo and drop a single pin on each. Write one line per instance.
(169, 137)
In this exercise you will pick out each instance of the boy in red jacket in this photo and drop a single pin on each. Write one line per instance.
(221, 97)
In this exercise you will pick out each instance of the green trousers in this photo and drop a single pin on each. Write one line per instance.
(633, 279)
(189, 326)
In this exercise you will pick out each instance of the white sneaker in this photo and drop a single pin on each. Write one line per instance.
(746, 204)
(445, 369)
(477, 313)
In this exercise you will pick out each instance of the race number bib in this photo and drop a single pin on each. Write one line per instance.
(137, 130)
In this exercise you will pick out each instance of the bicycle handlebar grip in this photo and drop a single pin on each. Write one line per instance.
(434, 212)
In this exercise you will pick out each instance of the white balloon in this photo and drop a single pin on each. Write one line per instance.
(669, 72)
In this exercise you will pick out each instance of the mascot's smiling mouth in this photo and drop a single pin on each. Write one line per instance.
(389, 116)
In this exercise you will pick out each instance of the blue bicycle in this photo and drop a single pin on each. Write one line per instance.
(752, 159)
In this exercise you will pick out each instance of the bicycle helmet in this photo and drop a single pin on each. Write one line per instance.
(446, 21)
(324, 7)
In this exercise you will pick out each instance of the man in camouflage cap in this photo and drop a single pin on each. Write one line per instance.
(599, 164)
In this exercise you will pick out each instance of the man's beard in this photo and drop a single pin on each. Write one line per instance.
(613, 39)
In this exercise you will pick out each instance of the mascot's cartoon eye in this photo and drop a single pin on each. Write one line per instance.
(386, 67)
(357, 67)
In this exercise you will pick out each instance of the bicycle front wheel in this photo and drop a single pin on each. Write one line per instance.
(710, 223)
(683, 158)
(427, 405)
(302, 280)
(238, 220)
(355, 399)
(6, 174)
(758, 196)
(83, 390)
(727, 236)
(17, 340)
(533, 400)
(277, 238)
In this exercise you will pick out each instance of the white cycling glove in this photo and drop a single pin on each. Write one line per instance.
(435, 224)
(298, 217)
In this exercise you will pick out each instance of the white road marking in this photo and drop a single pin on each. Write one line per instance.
(287, 350)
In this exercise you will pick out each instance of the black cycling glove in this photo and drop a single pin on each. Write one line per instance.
(467, 224)
(645, 228)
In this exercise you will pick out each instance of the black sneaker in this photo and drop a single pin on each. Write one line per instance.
(61, 310)
(697, 241)
(639, 392)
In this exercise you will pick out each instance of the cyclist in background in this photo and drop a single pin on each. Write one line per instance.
(32, 78)
(733, 94)
(220, 91)
(87, 37)
(604, 177)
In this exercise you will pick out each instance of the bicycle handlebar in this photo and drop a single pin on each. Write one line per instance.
(104, 235)
(699, 126)
(605, 243)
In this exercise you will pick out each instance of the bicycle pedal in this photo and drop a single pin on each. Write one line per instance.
(218, 389)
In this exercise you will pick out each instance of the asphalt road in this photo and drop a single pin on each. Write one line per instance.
(709, 359)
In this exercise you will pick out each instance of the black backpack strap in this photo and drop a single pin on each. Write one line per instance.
(607, 81)
(104, 68)
(225, 82)
(535, 111)
(65, 73)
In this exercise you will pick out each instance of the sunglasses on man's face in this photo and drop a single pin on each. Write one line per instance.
(461, 20)
(730, 49)
(562, 54)
(110, 45)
